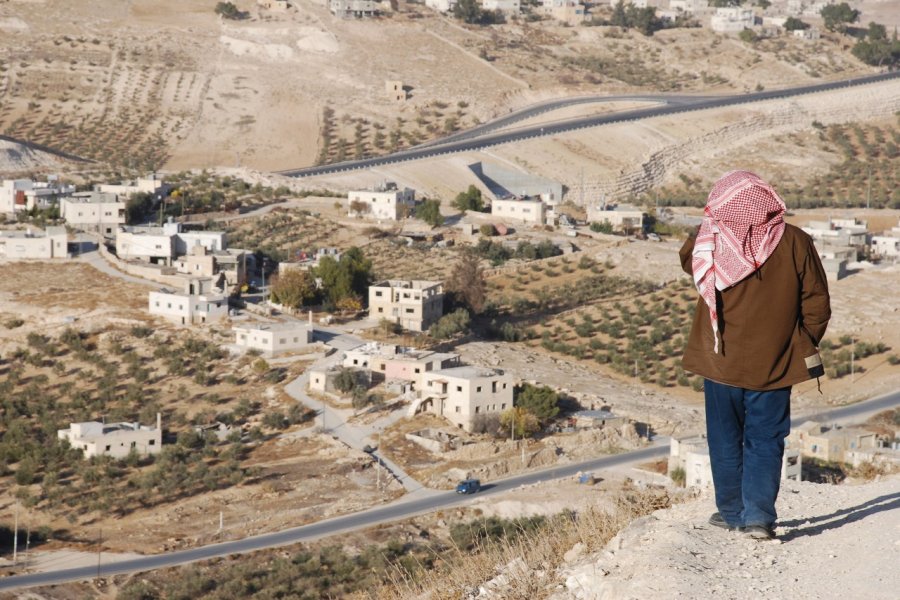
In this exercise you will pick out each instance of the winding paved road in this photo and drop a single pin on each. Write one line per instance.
(484, 140)
(414, 504)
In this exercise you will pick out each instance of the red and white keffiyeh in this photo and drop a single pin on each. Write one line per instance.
(742, 224)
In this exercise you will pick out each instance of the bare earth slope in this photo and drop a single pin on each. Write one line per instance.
(834, 542)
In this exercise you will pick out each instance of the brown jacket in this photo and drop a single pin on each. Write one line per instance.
(769, 323)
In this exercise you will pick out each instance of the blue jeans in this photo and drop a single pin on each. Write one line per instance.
(746, 431)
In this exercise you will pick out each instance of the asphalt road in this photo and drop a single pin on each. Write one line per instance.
(395, 511)
(505, 137)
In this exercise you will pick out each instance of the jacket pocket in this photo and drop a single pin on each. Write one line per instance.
(814, 365)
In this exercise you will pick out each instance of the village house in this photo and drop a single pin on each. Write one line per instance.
(384, 202)
(273, 339)
(389, 362)
(462, 394)
(353, 8)
(25, 194)
(839, 232)
(160, 245)
(691, 454)
(323, 380)
(227, 267)
(152, 184)
(306, 261)
(830, 442)
(116, 440)
(509, 8)
(441, 5)
(566, 11)
(622, 217)
(732, 19)
(529, 210)
(34, 243)
(835, 260)
(414, 305)
(98, 212)
(886, 245)
(196, 304)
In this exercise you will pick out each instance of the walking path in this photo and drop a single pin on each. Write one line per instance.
(335, 421)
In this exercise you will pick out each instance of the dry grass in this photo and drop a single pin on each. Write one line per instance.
(528, 567)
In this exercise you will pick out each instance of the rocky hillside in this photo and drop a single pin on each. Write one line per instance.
(833, 541)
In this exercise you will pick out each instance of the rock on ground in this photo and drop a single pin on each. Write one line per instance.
(833, 542)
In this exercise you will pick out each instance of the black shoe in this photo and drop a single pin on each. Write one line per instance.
(717, 520)
(758, 532)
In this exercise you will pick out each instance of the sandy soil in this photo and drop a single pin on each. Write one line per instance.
(830, 538)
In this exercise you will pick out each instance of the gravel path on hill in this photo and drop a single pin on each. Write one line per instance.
(833, 542)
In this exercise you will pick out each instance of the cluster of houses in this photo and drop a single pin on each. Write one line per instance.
(435, 382)
(843, 241)
(812, 440)
(518, 198)
(730, 19)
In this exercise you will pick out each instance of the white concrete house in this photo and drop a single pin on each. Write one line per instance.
(152, 184)
(34, 243)
(460, 394)
(99, 212)
(507, 7)
(390, 362)
(274, 338)
(441, 5)
(384, 202)
(692, 455)
(886, 246)
(116, 440)
(413, 304)
(24, 194)
(622, 217)
(530, 210)
(163, 244)
(732, 20)
(196, 305)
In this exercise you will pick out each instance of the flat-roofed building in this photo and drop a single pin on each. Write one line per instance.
(116, 440)
(413, 304)
(622, 217)
(99, 212)
(529, 210)
(274, 338)
(384, 202)
(152, 184)
(461, 394)
(25, 194)
(34, 243)
(197, 304)
(392, 362)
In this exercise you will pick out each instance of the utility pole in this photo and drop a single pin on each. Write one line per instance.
(99, 548)
(852, 356)
(16, 534)
(869, 188)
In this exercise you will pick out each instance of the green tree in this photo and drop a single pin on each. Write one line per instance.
(138, 207)
(348, 277)
(228, 10)
(345, 380)
(837, 17)
(793, 24)
(519, 422)
(468, 11)
(466, 283)
(748, 35)
(541, 401)
(430, 212)
(469, 200)
(292, 288)
(450, 325)
(602, 227)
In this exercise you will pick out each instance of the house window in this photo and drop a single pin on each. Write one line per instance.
(493, 387)
(381, 309)
(378, 293)
(281, 341)
(477, 409)
(107, 448)
(406, 294)
(503, 406)
(478, 389)
(152, 442)
(410, 310)
(134, 444)
(504, 386)
(157, 304)
(383, 367)
(417, 370)
(169, 305)
(459, 388)
(457, 410)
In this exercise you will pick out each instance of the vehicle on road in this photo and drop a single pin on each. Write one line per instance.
(468, 486)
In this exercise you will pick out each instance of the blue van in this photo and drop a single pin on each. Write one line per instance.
(468, 486)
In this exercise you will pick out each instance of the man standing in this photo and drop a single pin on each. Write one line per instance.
(762, 312)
